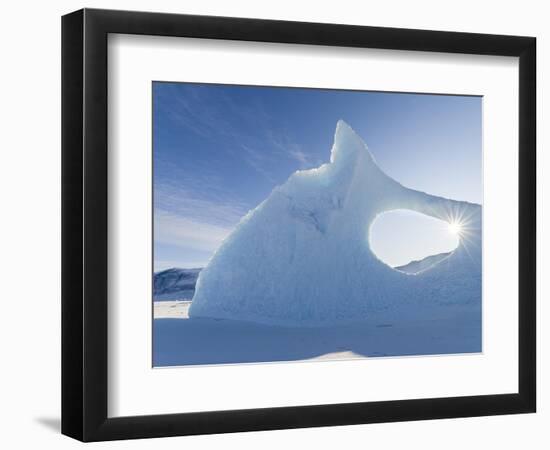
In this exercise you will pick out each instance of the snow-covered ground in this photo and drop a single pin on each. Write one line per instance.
(180, 340)
(172, 309)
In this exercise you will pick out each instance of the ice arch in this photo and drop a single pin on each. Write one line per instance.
(410, 241)
(302, 257)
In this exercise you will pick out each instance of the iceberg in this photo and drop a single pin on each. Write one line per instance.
(303, 258)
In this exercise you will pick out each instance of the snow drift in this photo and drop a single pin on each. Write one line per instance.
(302, 257)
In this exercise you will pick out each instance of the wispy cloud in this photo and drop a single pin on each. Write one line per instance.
(194, 210)
(258, 160)
(221, 118)
(218, 209)
(196, 225)
(179, 231)
(285, 145)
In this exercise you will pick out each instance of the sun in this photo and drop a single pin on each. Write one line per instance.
(455, 227)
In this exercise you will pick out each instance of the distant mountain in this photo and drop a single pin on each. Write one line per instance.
(422, 264)
(175, 284)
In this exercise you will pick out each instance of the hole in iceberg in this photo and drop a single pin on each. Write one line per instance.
(411, 242)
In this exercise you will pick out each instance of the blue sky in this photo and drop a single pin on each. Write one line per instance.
(219, 150)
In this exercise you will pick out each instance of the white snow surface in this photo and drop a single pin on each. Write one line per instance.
(303, 258)
(180, 341)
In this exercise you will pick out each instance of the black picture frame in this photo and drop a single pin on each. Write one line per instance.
(84, 224)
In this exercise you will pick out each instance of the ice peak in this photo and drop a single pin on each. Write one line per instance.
(343, 127)
(347, 144)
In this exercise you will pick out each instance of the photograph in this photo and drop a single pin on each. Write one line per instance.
(275, 222)
(295, 224)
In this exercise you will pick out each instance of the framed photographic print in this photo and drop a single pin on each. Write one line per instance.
(273, 224)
